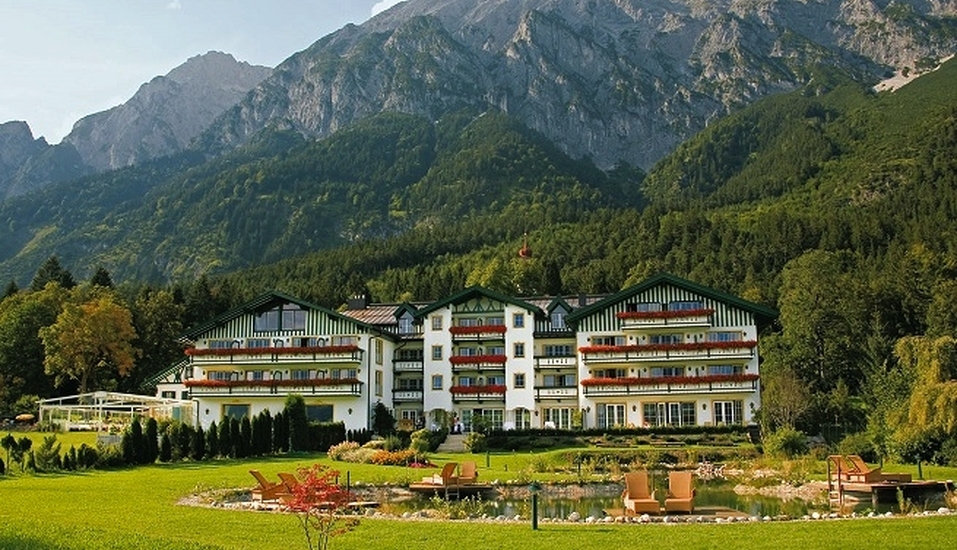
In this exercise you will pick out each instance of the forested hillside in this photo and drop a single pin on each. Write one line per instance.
(281, 196)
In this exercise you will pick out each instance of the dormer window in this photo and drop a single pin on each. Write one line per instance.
(558, 319)
(405, 325)
(282, 317)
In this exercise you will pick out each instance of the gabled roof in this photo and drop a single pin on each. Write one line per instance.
(558, 301)
(264, 301)
(472, 292)
(762, 315)
(405, 307)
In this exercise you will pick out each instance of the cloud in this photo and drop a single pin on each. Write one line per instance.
(174, 5)
(383, 5)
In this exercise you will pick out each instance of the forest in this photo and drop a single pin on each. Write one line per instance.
(833, 204)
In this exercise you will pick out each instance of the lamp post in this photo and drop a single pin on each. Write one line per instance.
(534, 488)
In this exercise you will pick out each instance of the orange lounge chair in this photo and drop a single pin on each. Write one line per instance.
(468, 473)
(860, 472)
(637, 496)
(446, 478)
(680, 492)
(266, 490)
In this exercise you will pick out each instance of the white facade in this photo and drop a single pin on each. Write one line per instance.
(664, 352)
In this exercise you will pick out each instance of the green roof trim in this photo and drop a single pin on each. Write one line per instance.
(471, 292)
(405, 307)
(266, 299)
(763, 315)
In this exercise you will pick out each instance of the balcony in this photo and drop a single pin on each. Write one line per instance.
(461, 363)
(259, 356)
(556, 362)
(477, 394)
(726, 383)
(645, 320)
(743, 349)
(406, 396)
(555, 392)
(478, 333)
(407, 366)
(332, 387)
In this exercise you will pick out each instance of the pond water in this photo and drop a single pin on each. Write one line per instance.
(559, 503)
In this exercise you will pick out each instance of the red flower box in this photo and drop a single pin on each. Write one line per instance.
(651, 381)
(285, 383)
(665, 314)
(310, 350)
(477, 359)
(483, 329)
(692, 346)
(477, 390)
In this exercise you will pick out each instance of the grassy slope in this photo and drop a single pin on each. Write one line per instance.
(137, 508)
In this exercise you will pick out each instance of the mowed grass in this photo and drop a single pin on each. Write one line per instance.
(137, 509)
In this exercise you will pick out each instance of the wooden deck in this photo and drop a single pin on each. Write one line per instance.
(886, 492)
(703, 511)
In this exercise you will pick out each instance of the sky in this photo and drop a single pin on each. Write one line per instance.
(61, 60)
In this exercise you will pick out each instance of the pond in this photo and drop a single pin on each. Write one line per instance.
(559, 502)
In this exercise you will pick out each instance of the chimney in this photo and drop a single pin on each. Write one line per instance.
(358, 301)
(582, 300)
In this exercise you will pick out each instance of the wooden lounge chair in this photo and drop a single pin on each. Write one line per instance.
(266, 490)
(468, 473)
(859, 472)
(680, 492)
(446, 478)
(637, 496)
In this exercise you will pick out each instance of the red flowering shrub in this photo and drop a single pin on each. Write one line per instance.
(475, 390)
(485, 329)
(318, 503)
(667, 314)
(689, 346)
(650, 381)
(477, 359)
(306, 350)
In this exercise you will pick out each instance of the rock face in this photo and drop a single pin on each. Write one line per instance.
(165, 113)
(618, 80)
(27, 164)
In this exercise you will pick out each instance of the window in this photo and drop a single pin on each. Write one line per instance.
(436, 353)
(728, 412)
(608, 340)
(345, 340)
(644, 306)
(724, 370)
(518, 320)
(497, 380)
(436, 381)
(257, 375)
(378, 352)
(523, 419)
(558, 350)
(609, 373)
(519, 349)
(284, 317)
(669, 414)
(219, 375)
(558, 319)
(469, 322)
(168, 395)
(378, 383)
(184, 395)
(235, 411)
(725, 336)
(558, 380)
(657, 372)
(467, 352)
(519, 379)
(319, 413)
(436, 322)
(405, 325)
(257, 343)
(409, 355)
(611, 415)
(685, 305)
(467, 381)
(495, 321)
(299, 374)
(495, 350)
(557, 418)
(666, 338)
(220, 344)
(344, 374)
(410, 384)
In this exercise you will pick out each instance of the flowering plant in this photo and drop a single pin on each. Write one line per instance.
(651, 381)
(665, 314)
(477, 359)
(688, 346)
(318, 502)
(481, 329)
(304, 350)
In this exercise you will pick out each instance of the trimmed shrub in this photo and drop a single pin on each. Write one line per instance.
(212, 440)
(475, 442)
(337, 452)
(166, 448)
(295, 412)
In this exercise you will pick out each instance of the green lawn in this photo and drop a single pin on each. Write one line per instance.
(136, 509)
